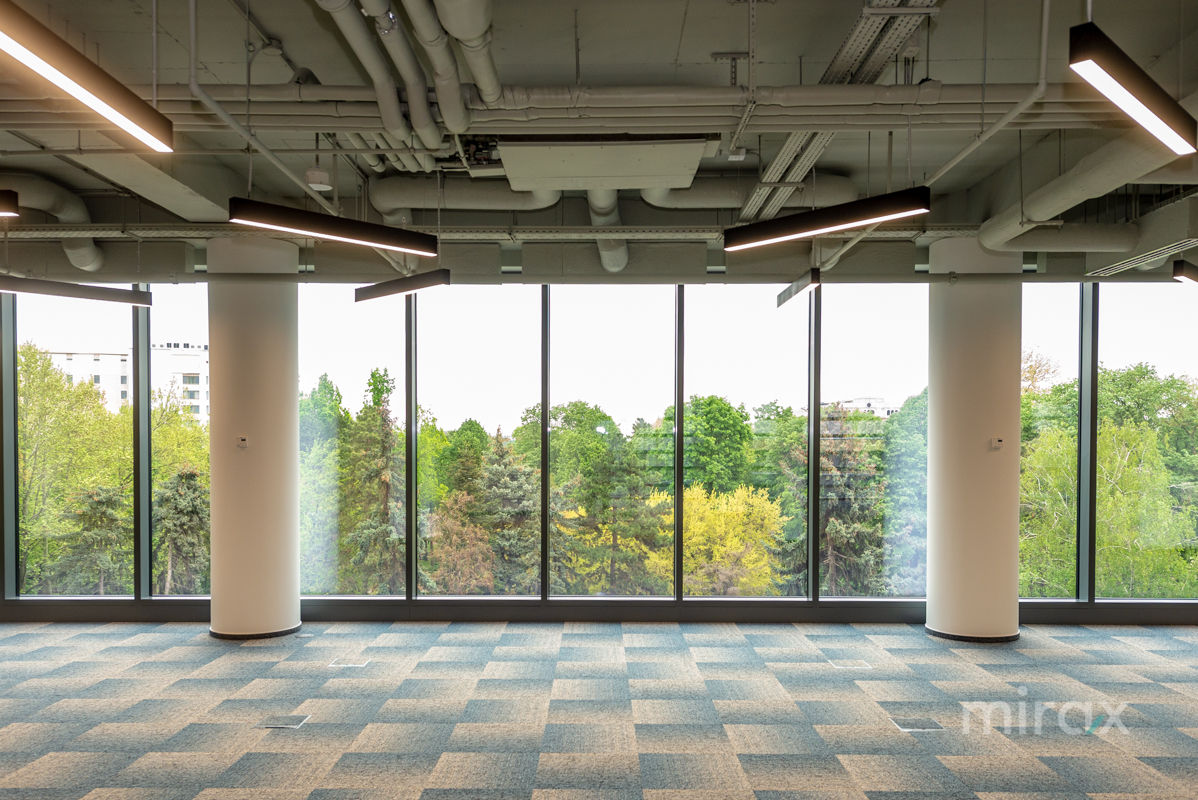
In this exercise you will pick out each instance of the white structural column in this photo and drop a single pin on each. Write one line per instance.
(254, 439)
(973, 445)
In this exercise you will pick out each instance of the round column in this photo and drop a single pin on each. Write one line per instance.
(254, 440)
(973, 446)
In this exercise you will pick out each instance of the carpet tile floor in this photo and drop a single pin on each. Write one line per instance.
(596, 711)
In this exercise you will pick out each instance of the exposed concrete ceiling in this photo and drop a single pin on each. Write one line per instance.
(581, 73)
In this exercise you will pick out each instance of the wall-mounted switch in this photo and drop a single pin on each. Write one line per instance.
(996, 442)
(243, 442)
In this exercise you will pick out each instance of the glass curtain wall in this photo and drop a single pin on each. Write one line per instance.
(74, 447)
(611, 440)
(1146, 513)
(478, 389)
(179, 412)
(1048, 442)
(744, 442)
(352, 444)
(873, 440)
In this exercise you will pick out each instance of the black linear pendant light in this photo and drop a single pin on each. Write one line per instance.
(244, 211)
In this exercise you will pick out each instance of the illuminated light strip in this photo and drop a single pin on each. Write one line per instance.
(423, 280)
(10, 284)
(21, 35)
(1104, 65)
(330, 237)
(830, 229)
(1114, 91)
(308, 224)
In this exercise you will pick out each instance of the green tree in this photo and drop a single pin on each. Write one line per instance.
(718, 442)
(181, 530)
(728, 538)
(97, 555)
(511, 510)
(460, 549)
(905, 506)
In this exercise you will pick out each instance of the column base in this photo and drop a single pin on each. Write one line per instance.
(982, 639)
(237, 636)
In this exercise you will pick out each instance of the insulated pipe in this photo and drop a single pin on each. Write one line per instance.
(605, 211)
(227, 119)
(427, 28)
(373, 161)
(825, 190)
(395, 42)
(61, 203)
(469, 21)
(390, 195)
(1104, 170)
(401, 161)
(1072, 238)
(353, 28)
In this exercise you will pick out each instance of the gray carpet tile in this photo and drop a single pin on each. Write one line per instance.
(597, 711)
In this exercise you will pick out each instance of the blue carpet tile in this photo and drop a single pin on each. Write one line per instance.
(592, 711)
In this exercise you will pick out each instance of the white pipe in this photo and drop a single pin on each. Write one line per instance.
(64, 205)
(353, 27)
(1104, 170)
(1035, 94)
(372, 160)
(714, 192)
(1073, 238)
(469, 21)
(427, 28)
(395, 42)
(1182, 171)
(605, 211)
(227, 118)
(391, 195)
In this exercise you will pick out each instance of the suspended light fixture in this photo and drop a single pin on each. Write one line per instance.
(843, 217)
(10, 284)
(1108, 69)
(437, 277)
(335, 229)
(37, 47)
(1185, 271)
(8, 203)
(800, 287)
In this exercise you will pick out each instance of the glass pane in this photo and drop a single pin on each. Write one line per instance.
(74, 447)
(745, 454)
(1147, 487)
(179, 438)
(479, 473)
(874, 440)
(1048, 453)
(611, 450)
(352, 466)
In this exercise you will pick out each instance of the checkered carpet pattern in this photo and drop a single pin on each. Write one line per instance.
(596, 711)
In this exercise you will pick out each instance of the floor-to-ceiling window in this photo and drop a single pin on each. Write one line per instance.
(74, 447)
(1048, 441)
(873, 440)
(179, 413)
(352, 458)
(611, 446)
(1147, 457)
(478, 384)
(744, 442)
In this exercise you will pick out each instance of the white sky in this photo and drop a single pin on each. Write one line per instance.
(614, 345)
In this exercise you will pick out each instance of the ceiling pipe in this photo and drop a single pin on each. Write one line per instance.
(227, 119)
(395, 42)
(392, 195)
(718, 192)
(349, 21)
(605, 212)
(372, 160)
(1033, 96)
(469, 21)
(427, 28)
(1182, 171)
(34, 191)
(1102, 171)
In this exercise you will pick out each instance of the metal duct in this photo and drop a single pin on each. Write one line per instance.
(353, 27)
(392, 195)
(61, 203)
(605, 211)
(1104, 170)
(427, 28)
(395, 42)
(469, 21)
(825, 190)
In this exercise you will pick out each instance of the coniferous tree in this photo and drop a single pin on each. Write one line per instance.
(181, 531)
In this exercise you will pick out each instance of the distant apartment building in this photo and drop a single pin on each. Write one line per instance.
(178, 368)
